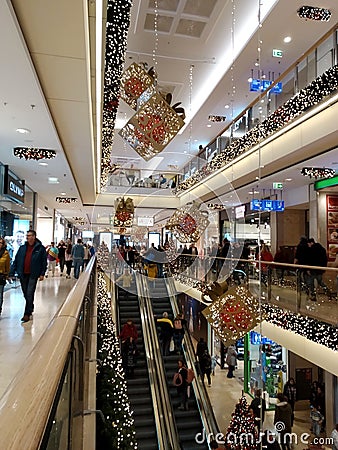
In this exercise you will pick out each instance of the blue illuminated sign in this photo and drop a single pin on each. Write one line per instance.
(262, 85)
(267, 205)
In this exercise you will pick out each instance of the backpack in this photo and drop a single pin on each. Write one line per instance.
(206, 360)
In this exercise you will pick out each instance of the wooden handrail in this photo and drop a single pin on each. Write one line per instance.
(26, 404)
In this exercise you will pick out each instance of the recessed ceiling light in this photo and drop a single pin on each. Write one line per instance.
(227, 106)
(23, 130)
(287, 39)
(53, 180)
(288, 179)
(208, 126)
(250, 80)
(63, 193)
(43, 164)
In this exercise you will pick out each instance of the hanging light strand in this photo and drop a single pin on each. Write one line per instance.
(155, 49)
(191, 75)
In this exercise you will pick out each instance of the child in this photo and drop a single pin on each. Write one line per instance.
(317, 419)
(213, 364)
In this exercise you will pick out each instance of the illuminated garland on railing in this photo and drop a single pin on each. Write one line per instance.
(118, 20)
(33, 153)
(213, 118)
(314, 13)
(311, 329)
(320, 88)
(318, 172)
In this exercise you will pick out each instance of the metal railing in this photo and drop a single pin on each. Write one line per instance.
(51, 401)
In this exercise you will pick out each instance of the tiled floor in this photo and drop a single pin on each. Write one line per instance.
(17, 338)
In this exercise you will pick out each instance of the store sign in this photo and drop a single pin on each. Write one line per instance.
(277, 185)
(263, 85)
(145, 221)
(15, 189)
(267, 205)
(240, 212)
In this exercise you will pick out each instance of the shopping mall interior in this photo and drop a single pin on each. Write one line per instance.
(193, 146)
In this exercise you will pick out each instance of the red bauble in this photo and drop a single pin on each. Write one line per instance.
(153, 129)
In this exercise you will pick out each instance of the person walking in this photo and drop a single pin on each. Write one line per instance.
(282, 420)
(317, 257)
(52, 254)
(231, 361)
(179, 327)
(68, 258)
(30, 263)
(290, 392)
(86, 257)
(62, 246)
(77, 255)
(4, 269)
(258, 407)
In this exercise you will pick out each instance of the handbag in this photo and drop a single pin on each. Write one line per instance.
(2, 279)
(171, 345)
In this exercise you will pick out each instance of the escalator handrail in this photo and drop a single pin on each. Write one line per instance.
(166, 406)
(202, 398)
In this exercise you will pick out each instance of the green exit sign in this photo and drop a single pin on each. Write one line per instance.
(277, 53)
(277, 185)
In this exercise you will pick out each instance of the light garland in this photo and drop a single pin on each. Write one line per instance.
(320, 88)
(66, 200)
(314, 13)
(118, 430)
(213, 118)
(312, 329)
(318, 172)
(118, 20)
(216, 206)
(33, 153)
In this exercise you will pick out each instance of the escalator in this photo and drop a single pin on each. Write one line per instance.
(188, 423)
(139, 386)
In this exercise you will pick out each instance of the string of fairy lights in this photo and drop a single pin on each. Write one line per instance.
(315, 92)
(118, 21)
(117, 431)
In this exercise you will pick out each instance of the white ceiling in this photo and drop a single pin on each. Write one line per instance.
(47, 81)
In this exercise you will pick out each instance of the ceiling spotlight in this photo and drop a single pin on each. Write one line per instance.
(287, 39)
(23, 130)
(250, 80)
(288, 179)
(43, 164)
(227, 106)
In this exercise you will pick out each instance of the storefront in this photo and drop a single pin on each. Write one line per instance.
(17, 203)
(265, 366)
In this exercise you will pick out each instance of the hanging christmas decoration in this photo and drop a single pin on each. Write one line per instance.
(216, 206)
(152, 127)
(314, 13)
(33, 153)
(318, 172)
(66, 199)
(188, 223)
(117, 430)
(118, 20)
(124, 212)
(233, 314)
(315, 92)
(171, 251)
(135, 80)
(201, 286)
(138, 234)
(213, 118)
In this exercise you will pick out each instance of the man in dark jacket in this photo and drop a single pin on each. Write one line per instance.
(258, 407)
(317, 257)
(30, 264)
(282, 420)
